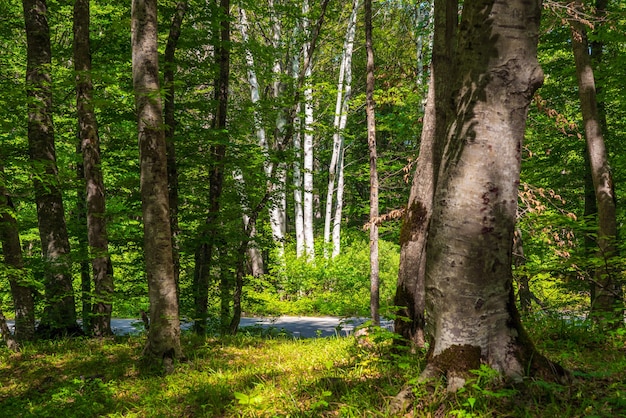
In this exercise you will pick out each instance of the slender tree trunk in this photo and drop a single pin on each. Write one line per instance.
(204, 253)
(59, 316)
(12, 251)
(170, 127)
(332, 220)
(410, 291)
(164, 334)
(307, 148)
(254, 254)
(607, 302)
(90, 147)
(472, 316)
(371, 140)
(85, 268)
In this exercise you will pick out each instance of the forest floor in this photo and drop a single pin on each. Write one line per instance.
(269, 373)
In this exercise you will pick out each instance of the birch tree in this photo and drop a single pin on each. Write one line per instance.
(335, 170)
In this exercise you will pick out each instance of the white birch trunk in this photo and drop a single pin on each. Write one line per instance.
(343, 96)
(277, 185)
(309, 239)
(297, 174)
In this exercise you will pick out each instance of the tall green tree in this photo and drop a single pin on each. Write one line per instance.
(59, 315)
(164, 334)
(470, 307)
(607, 297)
(94, 181)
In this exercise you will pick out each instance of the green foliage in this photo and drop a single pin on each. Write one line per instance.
(338, 286)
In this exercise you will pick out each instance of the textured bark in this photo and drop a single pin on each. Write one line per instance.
(59, 316)
(370, 108)
(204, 253)
(410, 291)
(12, 251)
(607, 297)
(472, 317)
(170, 127)
(90, 147)
(164, 334)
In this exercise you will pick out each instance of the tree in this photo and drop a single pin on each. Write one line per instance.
(371, 140)
(410, 291)
(607, 297)
(59, 316)
(204, 252)
(472, 316)
(332, 221)
(164, 334)
(14, 264)
(94, 191)
(170, 123)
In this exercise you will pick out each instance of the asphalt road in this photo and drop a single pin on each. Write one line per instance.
(297, 326)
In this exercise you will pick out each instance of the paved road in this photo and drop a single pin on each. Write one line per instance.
(298, 326)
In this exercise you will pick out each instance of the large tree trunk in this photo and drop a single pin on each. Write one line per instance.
(164, 334)
(410, 292)
(59, 315)
(607, 298)
(170, 126)
(472, 317)
(12, 251)
(90, 148)
(371, 140)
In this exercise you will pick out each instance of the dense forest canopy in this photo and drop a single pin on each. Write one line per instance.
(288, 88)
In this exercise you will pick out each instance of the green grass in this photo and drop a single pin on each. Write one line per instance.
(254, 376)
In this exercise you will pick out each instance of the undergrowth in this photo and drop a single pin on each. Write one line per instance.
(274, 375)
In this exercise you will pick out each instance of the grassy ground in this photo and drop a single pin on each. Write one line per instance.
(261, 376)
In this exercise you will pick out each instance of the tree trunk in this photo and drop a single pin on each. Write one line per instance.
(164, 334)
(204, 253)
(307, 148)
(335, 171)
(607, 297)
(59, 316)
(254, 254)
(371, 140)
(170, 127)
(12, 251)
(410, 292)
(85, 268)
(90, 148)
(472, 316)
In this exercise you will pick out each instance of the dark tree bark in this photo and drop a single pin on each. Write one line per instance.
(83, 245)
(371, 140)
(59, 316)
(170, 124)
(410, 292)
(94, 191)
(164, 334)
(204, 252)
(472, 317)
(607, 297)
(11, 249)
